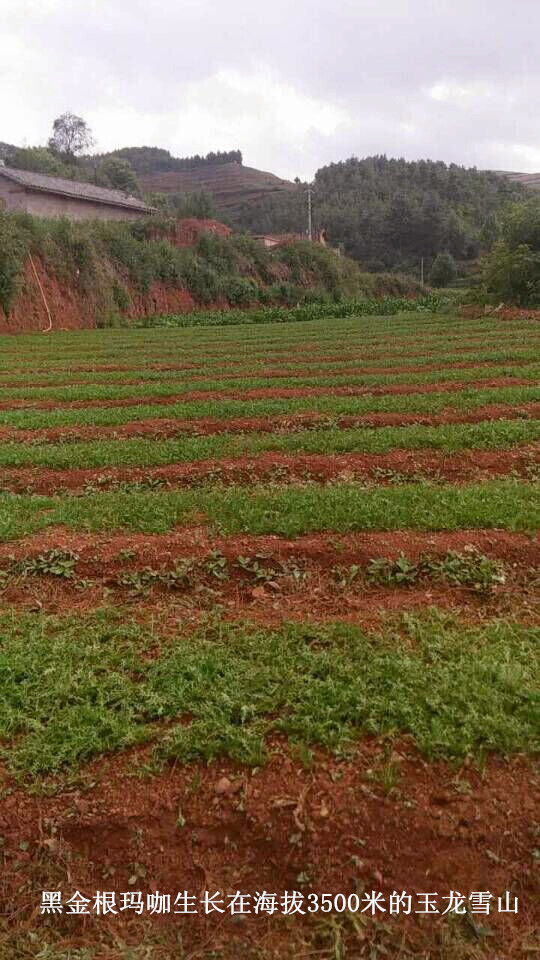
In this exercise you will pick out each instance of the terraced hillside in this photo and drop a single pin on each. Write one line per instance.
(268, 626)
(230, 184)
(529, 180)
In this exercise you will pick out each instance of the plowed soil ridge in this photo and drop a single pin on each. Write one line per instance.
(100, 551)
(396, 466)
(304, 582)
(204, 426)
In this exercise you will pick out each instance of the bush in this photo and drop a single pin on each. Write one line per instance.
(118, 174)
(304, 310)
(511, 272)
(39, 160)
(12, 254)
(513, 275)
(241, 290)
(443, 272)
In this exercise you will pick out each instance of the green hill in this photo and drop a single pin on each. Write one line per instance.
(390, 213)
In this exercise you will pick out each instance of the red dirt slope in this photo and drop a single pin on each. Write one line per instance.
(229, 183)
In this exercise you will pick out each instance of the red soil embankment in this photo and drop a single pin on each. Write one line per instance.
(73, 308)
(474, 310)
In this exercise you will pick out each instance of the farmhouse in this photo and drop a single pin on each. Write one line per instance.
(282, 239)
(45, 196)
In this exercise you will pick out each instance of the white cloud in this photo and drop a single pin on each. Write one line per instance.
(254, 112)
(292, 86)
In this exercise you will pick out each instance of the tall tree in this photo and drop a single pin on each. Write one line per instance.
(71, 136)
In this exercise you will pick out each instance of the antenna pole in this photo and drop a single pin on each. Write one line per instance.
(310, 222)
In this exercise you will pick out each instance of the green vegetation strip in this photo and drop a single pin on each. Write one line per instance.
(172, 386)
(262, 362)
(289, 511)
(135, 355)
(154, 345)
(225, 409)
(119, 344)
(487, 435)
(72, 688)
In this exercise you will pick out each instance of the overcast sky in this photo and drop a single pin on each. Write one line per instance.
(294, 84)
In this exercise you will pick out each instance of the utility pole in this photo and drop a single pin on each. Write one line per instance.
(309, 215)
(422, 271)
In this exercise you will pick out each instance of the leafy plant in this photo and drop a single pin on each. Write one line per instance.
(388, 572)
(142, 581)
(256, 567)
(471, 569)
(217, 565)
(345, 576)
(54, 563)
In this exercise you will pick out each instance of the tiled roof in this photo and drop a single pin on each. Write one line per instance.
(73, 188)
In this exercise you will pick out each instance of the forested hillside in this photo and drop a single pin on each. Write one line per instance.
(389, 213)
(156, 160)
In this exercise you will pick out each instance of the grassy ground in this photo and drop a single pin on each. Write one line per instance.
(301, 680)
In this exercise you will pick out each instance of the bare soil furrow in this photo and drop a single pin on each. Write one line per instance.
(463, 828)
(394, 467)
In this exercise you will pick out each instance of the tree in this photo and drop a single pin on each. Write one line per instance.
(522, 224)
(181, 205)
(119, 174)
(71, 136)
(511, 272)
(512, 275)
(443, 271)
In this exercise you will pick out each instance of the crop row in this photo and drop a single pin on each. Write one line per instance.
(172, 387)
(148, 352)
(289, 511)
(487, 435)
(225, 409)
(73, 687)
(260, 364)
(320, 332)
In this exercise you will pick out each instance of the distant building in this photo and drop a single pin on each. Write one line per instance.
(281, 239)
(45, 196)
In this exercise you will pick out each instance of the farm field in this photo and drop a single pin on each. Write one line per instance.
(269, 620)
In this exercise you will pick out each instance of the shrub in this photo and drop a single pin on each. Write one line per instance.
(99, 258)
(512, 271)
(12, 254)
(443, 271)
(241, 290)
